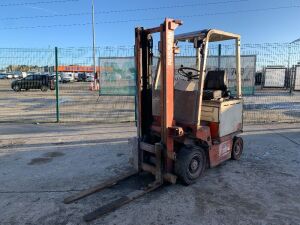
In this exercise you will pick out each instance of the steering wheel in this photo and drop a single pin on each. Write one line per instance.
(189, 73)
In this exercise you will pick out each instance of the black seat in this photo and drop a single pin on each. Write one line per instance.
(215, 81)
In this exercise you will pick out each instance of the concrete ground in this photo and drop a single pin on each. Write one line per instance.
(40, 165)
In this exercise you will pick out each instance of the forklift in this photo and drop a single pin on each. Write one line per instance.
(184, 126)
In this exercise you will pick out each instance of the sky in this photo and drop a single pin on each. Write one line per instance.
(34, 23)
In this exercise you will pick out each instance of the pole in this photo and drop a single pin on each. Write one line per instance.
(238, 68)
(219, 56)
(56, 85)
(289, 72)
(94, 41)
(99, 72)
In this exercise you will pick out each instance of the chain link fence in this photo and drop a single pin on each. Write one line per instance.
(270, 82)
(26, 105)
(79, 101)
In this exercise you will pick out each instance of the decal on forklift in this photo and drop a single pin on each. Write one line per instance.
(170, 36)
(224, 148)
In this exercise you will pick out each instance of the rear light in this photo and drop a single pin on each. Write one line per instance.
(214, 130)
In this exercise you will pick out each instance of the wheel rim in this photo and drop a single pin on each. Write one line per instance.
(238, 146)
(237, 149)
(194, 165)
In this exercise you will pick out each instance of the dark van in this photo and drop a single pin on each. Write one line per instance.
(42, 82)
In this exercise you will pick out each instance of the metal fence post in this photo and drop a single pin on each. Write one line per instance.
(135, 108)
(288, 69)
(56, 85)
(219, 56)
(99, 74)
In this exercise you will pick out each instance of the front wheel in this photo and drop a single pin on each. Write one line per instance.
(44, 88)
(237, 148)
(17, 88)
(190, 164)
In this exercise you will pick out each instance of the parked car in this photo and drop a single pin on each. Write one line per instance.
(23, 74)
(16, 76)
(76, 76)
(53, 76)
(3, 76)
(82, 77)
(67, 77)
(10, 76)
(90, 78)
(43, 82)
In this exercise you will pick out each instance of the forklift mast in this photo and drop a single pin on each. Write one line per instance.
(144, 59)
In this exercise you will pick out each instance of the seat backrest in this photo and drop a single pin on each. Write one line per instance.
(216, 80)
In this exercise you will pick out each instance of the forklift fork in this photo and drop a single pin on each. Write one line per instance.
(98, 187)
(156, 170)
(155, 150)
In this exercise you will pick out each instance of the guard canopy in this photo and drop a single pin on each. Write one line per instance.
(212, 35)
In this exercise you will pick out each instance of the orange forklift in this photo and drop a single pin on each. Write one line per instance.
(184, 125)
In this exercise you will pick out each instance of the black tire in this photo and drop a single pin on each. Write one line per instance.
(44, 88)
(16, 88)
(190, 164)
(237, 148)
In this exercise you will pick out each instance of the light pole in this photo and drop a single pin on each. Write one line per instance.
(94, 43)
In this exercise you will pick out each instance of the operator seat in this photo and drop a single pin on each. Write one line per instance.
(215, 85)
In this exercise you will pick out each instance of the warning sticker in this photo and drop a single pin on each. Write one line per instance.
(224, 148)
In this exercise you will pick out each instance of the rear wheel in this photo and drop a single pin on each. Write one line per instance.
(44, 88)
(237, 148)
(190, 164)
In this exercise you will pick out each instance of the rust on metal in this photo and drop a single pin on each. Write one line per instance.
(153, 30)
(204, 133)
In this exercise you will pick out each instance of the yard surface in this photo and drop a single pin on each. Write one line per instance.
(42, 164)
(77, 103)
